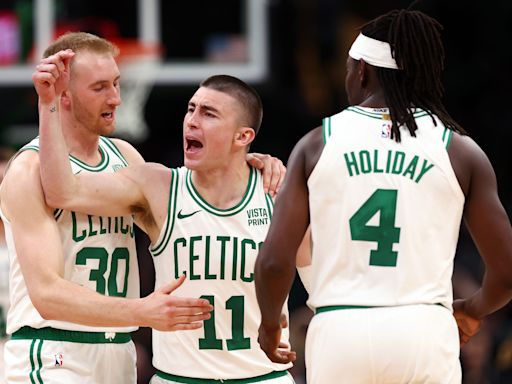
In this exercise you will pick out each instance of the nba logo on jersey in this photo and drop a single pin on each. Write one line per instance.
(386, 130)
(58, 360)
(117, 167)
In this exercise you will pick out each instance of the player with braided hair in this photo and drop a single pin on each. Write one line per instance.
(384, 185)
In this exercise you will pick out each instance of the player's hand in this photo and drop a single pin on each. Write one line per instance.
(270, 342)
(165, 312)
(51, 76)
(272, 169)
(468, 325)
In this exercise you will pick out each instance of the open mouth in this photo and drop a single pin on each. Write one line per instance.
(192, 145)
(108, 115)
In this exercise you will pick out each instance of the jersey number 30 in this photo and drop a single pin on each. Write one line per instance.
(98, 275)
(385, 234)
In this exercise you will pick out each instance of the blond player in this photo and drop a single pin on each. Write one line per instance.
(206, 221)
(74, 280)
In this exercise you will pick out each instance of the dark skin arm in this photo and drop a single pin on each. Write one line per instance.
(490, 228)
(275, 264)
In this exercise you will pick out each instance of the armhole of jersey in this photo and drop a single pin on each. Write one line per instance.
(270, 205)
(28, 148)
(171, 214)
(57, 213)
(447, 137)
(454, 182)
(326, 129)
(109, 143)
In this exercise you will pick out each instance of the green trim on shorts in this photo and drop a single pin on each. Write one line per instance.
(329, 308)
(337, 307)
(28, 333)
(191, 380)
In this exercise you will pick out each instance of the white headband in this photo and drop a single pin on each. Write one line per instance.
(374, 52)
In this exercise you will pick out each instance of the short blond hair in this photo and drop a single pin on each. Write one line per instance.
(82, 41)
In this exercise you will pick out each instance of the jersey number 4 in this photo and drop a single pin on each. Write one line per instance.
(385, 234)
(237, 341)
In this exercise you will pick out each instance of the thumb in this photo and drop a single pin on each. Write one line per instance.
(170, 287)
(254, 161)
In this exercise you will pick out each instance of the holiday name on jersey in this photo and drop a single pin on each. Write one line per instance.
(393, 162)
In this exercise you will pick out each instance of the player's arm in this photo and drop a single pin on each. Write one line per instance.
(98, 194)
(275, 264)
(112, 194)
(38, 246)
(489, 225)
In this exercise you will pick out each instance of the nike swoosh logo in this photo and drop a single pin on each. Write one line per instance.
(185, 215)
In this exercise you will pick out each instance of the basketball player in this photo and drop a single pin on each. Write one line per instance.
(206, 221)
(384, 185)
(74, 278)
(5, 154)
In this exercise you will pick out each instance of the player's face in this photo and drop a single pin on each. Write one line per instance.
(209, 128)
(94, 92)
(352, 83)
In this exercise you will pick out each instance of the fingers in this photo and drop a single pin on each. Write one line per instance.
(172, 286)
(57, 63)
(284, 321)
(254, 160)
(50, 70)
(278, 173)
(273, 173)
(282, 356)
(184, 327)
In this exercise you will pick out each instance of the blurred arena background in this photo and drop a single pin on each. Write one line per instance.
(293, 52)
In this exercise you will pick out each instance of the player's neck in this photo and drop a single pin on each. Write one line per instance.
(82, 144)
(375, 99)
(222, 187)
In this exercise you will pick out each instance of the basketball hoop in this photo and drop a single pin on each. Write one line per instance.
(138, 63)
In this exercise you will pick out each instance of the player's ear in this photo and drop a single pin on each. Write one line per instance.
(362, 72)
(244, 136)
(65, 99)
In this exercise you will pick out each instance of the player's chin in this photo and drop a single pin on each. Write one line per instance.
(193, 163)
(108, 129)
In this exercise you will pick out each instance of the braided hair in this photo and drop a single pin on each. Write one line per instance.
(416, 45)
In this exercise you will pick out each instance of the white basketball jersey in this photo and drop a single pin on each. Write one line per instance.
(99, 253)
(385, 216)
(217, 249)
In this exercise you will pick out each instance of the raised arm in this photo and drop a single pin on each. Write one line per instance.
(95, 193)
(38, 247)
(490, 229)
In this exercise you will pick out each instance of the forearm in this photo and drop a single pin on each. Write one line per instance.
(66, 301)
(57, 177)
(273, 281)
(492, 296)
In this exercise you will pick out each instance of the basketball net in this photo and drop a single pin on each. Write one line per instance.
(138, 64)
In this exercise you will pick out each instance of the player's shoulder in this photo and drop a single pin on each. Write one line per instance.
(149, 174)
(127, 150)
(468, 160)
(466, 149)
(21, 180)
(23, 163)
